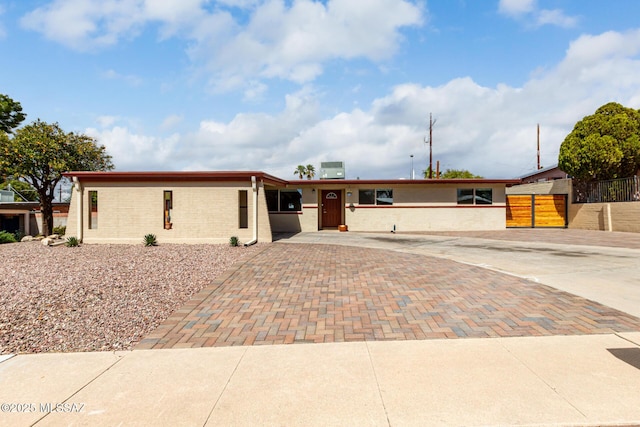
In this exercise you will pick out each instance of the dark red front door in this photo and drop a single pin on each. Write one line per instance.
(331, 208)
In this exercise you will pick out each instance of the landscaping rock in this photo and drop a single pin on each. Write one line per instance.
(46, 241)
(27, 239)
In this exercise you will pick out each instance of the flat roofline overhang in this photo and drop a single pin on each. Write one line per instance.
(174, 176)
(343, 182)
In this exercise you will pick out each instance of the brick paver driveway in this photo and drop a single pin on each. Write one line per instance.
(294, 293)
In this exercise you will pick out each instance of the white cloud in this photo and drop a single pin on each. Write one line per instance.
(556, 17)
(107, 121)
(171, 121)
(490, 131)
(132, 151)
(269, 39)
(293, 42)
(516, 7)
(528, 11)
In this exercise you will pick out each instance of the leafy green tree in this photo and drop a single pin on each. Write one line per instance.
(452, 174)
(25, 190)
(310, 171)
(605, 145)
(40, 152)
(300, 171)
(11, 114)
(458, 173)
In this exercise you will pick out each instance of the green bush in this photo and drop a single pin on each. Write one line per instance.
(150, 240)
(61, 229)
(6, 237)
(233, 241)
(72, 242)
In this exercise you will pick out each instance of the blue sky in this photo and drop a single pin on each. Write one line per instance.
(270, 84)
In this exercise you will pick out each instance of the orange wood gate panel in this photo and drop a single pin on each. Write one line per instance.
(519, 211)
(550, 210)
(537, 210)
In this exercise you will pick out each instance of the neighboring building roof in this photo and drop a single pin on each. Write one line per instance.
(546, 174)
(175, 176)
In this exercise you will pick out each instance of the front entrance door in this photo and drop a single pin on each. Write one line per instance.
(331, 208)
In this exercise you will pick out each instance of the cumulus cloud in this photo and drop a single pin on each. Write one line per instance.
(490, 131)
(267, 39)
(528, 11)
(516, 7)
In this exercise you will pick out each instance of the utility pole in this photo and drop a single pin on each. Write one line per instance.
(539, 147)
(431, 123)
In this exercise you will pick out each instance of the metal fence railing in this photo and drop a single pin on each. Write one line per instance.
(614, 190)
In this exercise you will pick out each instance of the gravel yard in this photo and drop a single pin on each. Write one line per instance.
(98, 297)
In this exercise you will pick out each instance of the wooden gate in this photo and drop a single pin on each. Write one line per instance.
(537, 210)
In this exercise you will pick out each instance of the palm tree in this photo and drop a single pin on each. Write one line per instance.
(300, 171)
(311, 172)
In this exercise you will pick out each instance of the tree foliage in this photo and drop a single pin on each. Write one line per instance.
(40, 152)
(605, 145)
(26, 191)
(452, 174)
(458, 173)
(309, 171)
(11, 114)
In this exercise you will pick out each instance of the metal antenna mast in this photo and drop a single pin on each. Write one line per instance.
(431, 123)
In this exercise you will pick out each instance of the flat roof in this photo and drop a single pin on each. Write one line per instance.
(339, 182)
(156, 176)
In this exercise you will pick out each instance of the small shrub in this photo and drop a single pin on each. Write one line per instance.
(6, 237)
(18, 235)
(72, 242)
(233, 241)
(150, 240)
(60, 230)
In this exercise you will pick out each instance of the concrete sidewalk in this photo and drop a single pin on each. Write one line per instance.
(559, 380)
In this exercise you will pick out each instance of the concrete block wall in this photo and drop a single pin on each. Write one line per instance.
(621, 216)
(202, 213)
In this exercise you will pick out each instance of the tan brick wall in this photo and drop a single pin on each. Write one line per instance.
(595, 216)
(415, 208)
(202, 213)
(426, 218)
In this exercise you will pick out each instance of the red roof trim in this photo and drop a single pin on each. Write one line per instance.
(174, 176)
(343, 182)
(113, 176)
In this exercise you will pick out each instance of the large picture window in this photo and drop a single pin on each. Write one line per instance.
(380, 197)
(284, 200)
(367, 197)
(475, 196)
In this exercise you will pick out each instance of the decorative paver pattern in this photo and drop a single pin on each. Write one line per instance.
(295, 293)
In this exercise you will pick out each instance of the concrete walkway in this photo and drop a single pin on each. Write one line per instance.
(591, 379)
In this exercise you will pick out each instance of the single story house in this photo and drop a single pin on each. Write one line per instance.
(26, 217)
(210, 207)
